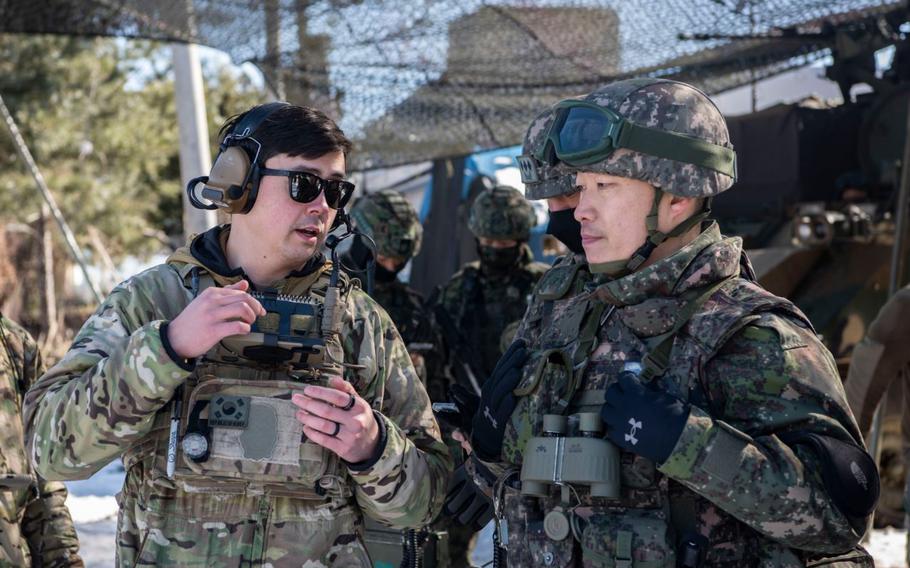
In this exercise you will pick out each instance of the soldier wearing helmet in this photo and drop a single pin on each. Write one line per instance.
(673, 412)
(388, 218)
(391, 222)
(485, 296)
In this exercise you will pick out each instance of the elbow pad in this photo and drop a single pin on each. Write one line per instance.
(849, 473)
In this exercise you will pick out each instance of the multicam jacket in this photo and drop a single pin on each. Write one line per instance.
(753, 370)
(475, 307)
(109, 396)
(35, 525)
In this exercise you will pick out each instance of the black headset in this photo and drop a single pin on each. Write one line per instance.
(233, 183)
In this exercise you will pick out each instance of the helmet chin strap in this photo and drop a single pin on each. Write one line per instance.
(619, 268)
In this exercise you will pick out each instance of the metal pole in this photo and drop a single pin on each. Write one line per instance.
(68, 236)
(195, 155)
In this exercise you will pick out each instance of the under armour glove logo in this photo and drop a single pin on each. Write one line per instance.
(636, 426)
(489, 416)
(629, 403)
(497, 402)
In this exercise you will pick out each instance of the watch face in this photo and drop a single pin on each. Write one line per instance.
(194, 445)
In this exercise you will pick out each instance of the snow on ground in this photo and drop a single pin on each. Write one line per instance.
(94, 510)
(887, 547)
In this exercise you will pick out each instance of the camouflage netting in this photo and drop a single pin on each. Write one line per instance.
(412, 81)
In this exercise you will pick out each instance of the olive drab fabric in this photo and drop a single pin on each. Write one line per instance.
(752, 368)
(35, 525)
(501, 212)
(476, 305)
(109, 394)
(654, 103)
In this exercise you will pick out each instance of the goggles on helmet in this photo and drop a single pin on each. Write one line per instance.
(584, 133)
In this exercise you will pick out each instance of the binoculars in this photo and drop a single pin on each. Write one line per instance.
(557, 459)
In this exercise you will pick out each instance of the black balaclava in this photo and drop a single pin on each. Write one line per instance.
(565, 227)
(498, 259)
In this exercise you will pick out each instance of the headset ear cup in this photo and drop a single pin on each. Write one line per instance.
(225, 186)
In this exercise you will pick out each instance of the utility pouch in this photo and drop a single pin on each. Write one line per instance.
(628, 539)
(255, 444)
(555, 283)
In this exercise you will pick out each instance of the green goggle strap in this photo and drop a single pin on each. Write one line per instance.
(650, 141)
(678, 147)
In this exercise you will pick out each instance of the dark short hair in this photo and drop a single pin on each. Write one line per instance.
(295, 131)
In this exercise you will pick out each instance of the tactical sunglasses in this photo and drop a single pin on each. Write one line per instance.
(584, 133)
(305, 187)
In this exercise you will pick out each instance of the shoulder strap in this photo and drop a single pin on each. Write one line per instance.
(655, 362)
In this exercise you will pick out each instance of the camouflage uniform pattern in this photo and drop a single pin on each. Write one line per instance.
(110, 394)
(35, 525)
(501, 212)
(653, 103)
(388, 218)
(752, 368)
(475, 306)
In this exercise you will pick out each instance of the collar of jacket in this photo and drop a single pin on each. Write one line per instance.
(706, 260)
(206, 250)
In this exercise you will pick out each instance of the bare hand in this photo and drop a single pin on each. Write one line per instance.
(465, 442)
(214, 314)
(352, 434)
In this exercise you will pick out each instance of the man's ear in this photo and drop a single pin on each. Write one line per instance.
(681, 208)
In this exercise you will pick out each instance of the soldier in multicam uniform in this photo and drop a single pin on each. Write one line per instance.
(484, 297)
(35, 525)
(728, 438)
(278, 461)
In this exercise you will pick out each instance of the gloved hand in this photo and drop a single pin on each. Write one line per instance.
(497, 402)
(641, 419)
(466, 503)
(466, 402)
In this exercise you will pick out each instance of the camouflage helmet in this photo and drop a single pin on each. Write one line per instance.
(661, 107)
(501, 212)
(390, 220)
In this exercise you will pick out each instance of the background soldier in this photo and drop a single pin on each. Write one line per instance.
(485, 296)
(465, 502)
(388, 218)
(728, 435)
(35, 525)
(878, 360)
(288, 434)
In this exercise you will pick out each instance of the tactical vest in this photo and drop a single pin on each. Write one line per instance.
(651, 514)
(242, 409)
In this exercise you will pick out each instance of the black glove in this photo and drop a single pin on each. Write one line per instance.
(497, 402)
(641, 419)
(466, 503)
(466, 402)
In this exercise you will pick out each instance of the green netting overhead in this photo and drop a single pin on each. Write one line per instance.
(414, 80)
